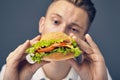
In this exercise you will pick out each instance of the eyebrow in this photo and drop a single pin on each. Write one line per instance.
(57, 15)
(77, 25)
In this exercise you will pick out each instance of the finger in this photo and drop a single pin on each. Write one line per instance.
(37, 38)
(13, 53)
(90, 41)
(83, 45)
(21, 52)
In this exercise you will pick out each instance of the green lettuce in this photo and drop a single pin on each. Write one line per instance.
(43, 43)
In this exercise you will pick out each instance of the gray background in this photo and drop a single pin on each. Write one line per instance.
(19, 21)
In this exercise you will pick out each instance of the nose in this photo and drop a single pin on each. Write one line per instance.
(63, 28)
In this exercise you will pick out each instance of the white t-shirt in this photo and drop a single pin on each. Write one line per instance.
(40, 75)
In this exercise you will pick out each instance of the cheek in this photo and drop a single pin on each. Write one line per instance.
(45, 30)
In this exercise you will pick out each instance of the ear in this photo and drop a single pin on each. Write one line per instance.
(41, 24)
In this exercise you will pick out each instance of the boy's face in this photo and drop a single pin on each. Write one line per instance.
(63, 16)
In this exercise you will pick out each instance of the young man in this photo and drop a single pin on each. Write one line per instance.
(72, 17)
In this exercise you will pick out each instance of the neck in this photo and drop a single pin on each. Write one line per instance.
(56, 70)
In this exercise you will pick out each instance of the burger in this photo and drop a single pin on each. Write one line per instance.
(54, 46)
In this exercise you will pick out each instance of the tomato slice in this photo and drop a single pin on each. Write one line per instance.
(52, 47)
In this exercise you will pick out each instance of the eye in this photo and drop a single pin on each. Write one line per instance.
(56, 22)
(74, 30)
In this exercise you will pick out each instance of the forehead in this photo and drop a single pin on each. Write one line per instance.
(67, 10)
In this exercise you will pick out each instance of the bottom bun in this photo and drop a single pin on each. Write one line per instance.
(58, 57)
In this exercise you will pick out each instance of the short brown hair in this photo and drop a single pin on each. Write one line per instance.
(87, 5)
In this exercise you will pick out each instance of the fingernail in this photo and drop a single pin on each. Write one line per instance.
(38, 36)
(71, 34)
(74, 37)
(87, 35)
(27, 41)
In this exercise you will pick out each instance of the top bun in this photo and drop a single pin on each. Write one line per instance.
(55, 35)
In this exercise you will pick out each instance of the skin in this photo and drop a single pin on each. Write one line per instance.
(73, 21)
